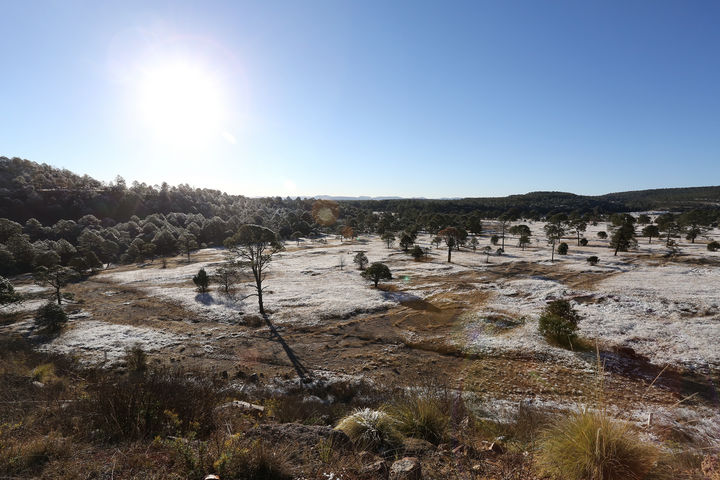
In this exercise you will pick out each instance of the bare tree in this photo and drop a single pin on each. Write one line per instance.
(554, 231)
(255, 245)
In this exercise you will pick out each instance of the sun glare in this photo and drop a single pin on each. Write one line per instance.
(181, 104)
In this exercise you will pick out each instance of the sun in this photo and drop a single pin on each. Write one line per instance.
(181, 104)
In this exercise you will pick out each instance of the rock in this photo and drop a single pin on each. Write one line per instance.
(378, 469)
(297, 433)
(245, 407)
(38, 384)
(212, 476)
(407, 468)
(496, 447)
(416, 447)
(253, 378)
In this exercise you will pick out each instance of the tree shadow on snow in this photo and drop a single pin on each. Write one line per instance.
(409, 300)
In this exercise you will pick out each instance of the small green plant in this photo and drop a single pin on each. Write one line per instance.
(584, 242)
(494, 239)
(562, 248)
(592, 446)
(713, 246)
(372, 430)
(51, 317)
(593, 260)
(559, 322)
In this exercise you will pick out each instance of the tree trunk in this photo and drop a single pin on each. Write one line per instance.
(449, 253)
(552, 255)
(58, 296)
(617, 248)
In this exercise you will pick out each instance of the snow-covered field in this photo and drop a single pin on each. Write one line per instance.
(668, 312)
(98, 341)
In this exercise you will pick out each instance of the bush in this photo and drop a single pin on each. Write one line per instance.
(602, 235)
(494, 239)
(136, 359)
(559, 322)
(7, 292)
(713, 246)
(563, 248)
(160, 402)
(360, 260)
(201, 280)
(420, 416)
(256, 461)
(372, 430)
(417, 252)
(593, 260)
(584, 242)
(590, 445)
(51, 317)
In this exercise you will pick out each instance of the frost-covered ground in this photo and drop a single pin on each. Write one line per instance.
(98, 341)
(667, 312)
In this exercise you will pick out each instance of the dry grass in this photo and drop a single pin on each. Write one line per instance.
(373, 430)
(592, 446)
(420, 415)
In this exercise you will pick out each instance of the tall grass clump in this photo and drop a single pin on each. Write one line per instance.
(373, 430)
(422, 416)
(592, 446)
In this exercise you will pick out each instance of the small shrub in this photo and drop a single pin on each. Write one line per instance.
(593, 260)
(559, 322)
(372, 430)
(256, 461)
(7, 292)
(136, 359)
(563, 248)
(494, 239)
(417, 252)
(360, 260)
(420, 416)
(26, 456)
(713, 246)
(500, 251)
(602, 235)
(51, 317)
(201, 280)
(160, 402)
(592, 446)
(43, 373)
(584, 242)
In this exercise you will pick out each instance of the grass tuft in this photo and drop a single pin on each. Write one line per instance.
(592, 446)
(420, 415)
(373, 430)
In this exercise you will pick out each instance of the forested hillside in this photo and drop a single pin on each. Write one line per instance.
(51, 217)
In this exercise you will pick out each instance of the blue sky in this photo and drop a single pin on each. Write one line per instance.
(433, 99)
